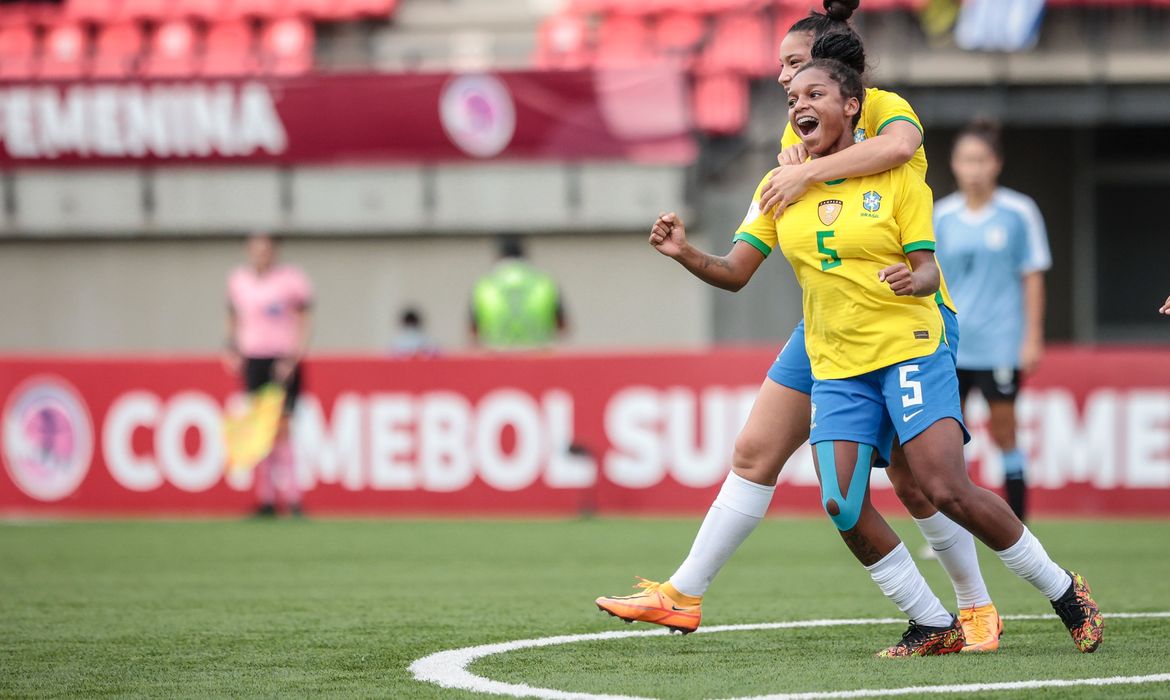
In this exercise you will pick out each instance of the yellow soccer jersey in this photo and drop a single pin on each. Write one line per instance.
(879, 109)
(837, 237)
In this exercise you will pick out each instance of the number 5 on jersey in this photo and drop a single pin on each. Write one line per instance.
(833, 259)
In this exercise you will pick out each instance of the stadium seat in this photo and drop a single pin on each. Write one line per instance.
(18, 48)
(252, 9)
(203, 10)
(741, 43)
(320, 10)
(172, 51)
(678, 34)
(720, 103)
(230, 49)
(376, 9)
(117, 50)
(562, 43)
(624, 41)
(719, 7)
(93, 11)
(144, 10)
(64, 52)
(286, 47)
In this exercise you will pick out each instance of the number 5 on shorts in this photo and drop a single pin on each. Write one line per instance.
(914, 398)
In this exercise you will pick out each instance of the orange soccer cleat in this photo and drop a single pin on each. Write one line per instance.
(982, 627)
(657, 603)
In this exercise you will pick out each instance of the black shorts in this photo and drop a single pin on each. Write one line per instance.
(995, 384)
(258, 372)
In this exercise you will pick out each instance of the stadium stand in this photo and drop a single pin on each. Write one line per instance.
(173, 51)
(18, 47)
(230, 50)
(65, 52)
(117, 50)
(287, 47)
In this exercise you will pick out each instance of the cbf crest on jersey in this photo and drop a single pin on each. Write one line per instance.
(829, 210)
(871, 201)
(858, 135)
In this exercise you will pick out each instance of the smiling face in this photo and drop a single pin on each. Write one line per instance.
(795, 51)
(819, 113)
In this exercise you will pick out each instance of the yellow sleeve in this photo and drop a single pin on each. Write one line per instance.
(884, 108)
(758, 228)
(913, 210)
(789, 138)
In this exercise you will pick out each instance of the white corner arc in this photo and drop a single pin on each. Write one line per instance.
(448, 669)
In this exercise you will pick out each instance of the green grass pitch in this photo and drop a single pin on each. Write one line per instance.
(341, 608)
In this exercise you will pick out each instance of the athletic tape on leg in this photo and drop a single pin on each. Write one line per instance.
(848, 509)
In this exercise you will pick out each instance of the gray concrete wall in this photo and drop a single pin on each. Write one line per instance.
(158, 295)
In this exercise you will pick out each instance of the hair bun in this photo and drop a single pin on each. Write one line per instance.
(841, 10)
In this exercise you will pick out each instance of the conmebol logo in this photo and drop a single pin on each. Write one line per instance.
(478, 114)
(48, 438)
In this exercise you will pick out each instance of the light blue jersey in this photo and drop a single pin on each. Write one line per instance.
(986, 255)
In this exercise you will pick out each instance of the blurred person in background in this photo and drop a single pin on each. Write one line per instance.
(268, 329)
(516, 306)
(411, 339)
(993, 244)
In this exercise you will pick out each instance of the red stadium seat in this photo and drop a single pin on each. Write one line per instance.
(624, 41)
(173, 51)
(256, 9)
(322, 10)
(230, 49)
(677, 34)
(65, 52)
(286, 47)
(721, 103)
(144, 10)
(741, 43)
(718, 7)
(377, 9)
(117, 51)
(95, 11)
(562, 42)
(204, 10)
(15, 15)
(18, 50)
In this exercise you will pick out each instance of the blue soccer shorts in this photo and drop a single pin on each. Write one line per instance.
(903, 399)
(792, 367)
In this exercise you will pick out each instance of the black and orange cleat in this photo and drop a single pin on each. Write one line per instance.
(1080, 614)
(920, 640)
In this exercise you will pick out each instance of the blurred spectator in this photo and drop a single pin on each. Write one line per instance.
(516, 306)
(993, 247)
(267, 336)
(412, 339)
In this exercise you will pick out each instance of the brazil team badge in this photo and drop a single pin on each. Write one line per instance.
(829, 210)
(871, 201)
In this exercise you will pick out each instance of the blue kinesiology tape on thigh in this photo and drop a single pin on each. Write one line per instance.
(848, 509)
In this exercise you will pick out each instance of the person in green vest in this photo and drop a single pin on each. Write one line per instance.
(516, 306)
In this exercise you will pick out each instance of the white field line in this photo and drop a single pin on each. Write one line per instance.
(449, 668)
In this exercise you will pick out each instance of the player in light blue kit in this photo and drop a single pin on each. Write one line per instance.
(994, 247)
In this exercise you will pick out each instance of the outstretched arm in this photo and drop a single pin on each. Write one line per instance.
(894, 146)
(731, 272)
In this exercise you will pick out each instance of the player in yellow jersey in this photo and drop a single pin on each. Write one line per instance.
(779, 420)
(863, 252)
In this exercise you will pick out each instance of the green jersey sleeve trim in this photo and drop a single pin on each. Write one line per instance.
(753, 242)
(920, 245)
(901, 118)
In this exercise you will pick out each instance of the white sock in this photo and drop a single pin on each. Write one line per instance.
(955, 549)
(739, 507)
(902, 582)
(1028, 560)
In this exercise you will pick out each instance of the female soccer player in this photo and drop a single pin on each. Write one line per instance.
(889, 135)
(267, 335)
(994, 247)
(862, 250)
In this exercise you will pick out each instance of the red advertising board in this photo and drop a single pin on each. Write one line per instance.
(492, 435)
(640, 115)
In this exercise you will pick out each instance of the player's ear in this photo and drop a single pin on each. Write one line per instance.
(852, 107)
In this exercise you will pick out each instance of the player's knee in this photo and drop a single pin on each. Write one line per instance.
(844, 514)
(754, 459)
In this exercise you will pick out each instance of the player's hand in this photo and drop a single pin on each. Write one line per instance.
(900, 279)
(793, 155)
(232, 363)
(1030, 355)
(668, 235)
(1165, 310)
(785, 185)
